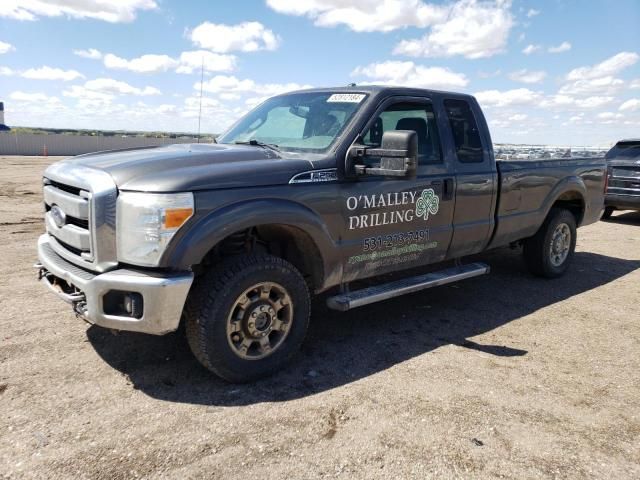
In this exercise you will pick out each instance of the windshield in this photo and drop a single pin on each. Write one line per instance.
(298, 121)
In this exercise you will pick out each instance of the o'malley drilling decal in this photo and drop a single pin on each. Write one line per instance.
(399, 207)
(428, 203)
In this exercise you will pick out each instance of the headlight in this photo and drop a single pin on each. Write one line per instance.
(146, 222)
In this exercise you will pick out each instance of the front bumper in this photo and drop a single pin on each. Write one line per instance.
(163, 294)
(623, 202)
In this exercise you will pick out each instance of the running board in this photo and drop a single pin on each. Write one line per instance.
(385, 291)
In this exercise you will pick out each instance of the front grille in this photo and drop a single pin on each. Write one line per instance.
(625, 180)
(71, 248)
(80, 214)
(78, 222)
(67, 217)
(66, 188)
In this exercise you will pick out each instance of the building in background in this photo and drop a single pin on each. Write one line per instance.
(3, 127)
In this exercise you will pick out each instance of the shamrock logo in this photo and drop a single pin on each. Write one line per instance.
(427, 204)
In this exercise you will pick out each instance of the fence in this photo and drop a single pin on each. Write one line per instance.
(67, 145)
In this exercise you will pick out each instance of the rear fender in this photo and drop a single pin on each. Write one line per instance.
(573, 186)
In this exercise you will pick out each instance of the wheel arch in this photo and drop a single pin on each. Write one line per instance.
(286, 229)
(569, 194)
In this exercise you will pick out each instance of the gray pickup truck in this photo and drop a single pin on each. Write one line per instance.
(623, 187)
(310, 191)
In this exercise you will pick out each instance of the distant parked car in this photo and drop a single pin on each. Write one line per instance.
(623, 169)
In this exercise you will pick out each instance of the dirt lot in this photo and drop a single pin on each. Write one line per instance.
(505, 375)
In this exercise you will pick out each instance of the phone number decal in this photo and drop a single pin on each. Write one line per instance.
(394, 240)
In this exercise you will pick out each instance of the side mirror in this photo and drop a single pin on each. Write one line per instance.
(398, 156)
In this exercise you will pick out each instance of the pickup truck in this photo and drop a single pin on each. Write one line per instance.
(623, 186)
(309, 192)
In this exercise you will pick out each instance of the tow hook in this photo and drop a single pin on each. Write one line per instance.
(62, 289)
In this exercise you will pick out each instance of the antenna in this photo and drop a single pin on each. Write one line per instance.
(201, 82)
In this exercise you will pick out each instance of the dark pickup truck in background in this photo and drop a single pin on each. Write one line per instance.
(309, 191)
(623, 190)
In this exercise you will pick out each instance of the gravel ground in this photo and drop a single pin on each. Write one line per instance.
(504, 375)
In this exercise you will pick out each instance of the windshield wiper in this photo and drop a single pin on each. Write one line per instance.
(258, 143)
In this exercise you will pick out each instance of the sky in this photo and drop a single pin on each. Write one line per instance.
(555, 72)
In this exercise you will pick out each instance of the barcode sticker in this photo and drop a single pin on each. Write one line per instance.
(346, 98)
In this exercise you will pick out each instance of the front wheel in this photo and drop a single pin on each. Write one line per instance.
(550, 251)
(247, 316)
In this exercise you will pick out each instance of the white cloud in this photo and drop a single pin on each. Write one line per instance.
(110, 86)
(610, 66)
(365, 16)
(497, 98)
(472, 29)
(109, 11)
(558, 101)
(563, 47)
(187, 63)
(531, 48)
(88, 97)
(577, 118)
(244, 37)
(231, 84)
(213, 62)
(634, 84)
(411, 75)
(603, 86)
(49, 73)
(593, 102)
(7, 72)
(145, 64)
(569, 103)
(5, 47)
(532, 12)
(518, 117)
(609, 115)
(253, 101)
(526, 76)
(229, 96)
(29, 97)
(193, 103)
(630, 105)
(89, 53)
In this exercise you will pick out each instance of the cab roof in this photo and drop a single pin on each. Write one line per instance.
(384, 90)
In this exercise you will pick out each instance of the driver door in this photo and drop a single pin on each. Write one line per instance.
(394, 224)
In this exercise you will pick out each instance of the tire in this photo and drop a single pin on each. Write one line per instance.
(549, 253)
(239, 303)
(607, 213)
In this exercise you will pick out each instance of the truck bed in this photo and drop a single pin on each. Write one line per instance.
(528, 188)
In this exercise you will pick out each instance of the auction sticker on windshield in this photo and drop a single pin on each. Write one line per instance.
(346, 98)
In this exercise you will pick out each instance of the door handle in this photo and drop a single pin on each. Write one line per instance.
(447, 191)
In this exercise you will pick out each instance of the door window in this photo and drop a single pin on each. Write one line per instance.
(465, 131)
(418, 117)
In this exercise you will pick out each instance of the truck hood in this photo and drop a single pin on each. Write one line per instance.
(191, 167)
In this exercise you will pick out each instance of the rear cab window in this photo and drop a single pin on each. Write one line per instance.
(464, 128)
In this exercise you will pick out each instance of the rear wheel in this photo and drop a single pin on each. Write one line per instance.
(550, 251)
(607, 213)
(247, 316)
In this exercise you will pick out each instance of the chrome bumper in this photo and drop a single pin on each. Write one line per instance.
(163, 294)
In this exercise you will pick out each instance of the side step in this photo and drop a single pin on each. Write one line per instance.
(385, 291)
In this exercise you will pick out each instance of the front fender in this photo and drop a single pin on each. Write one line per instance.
(204, 232)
